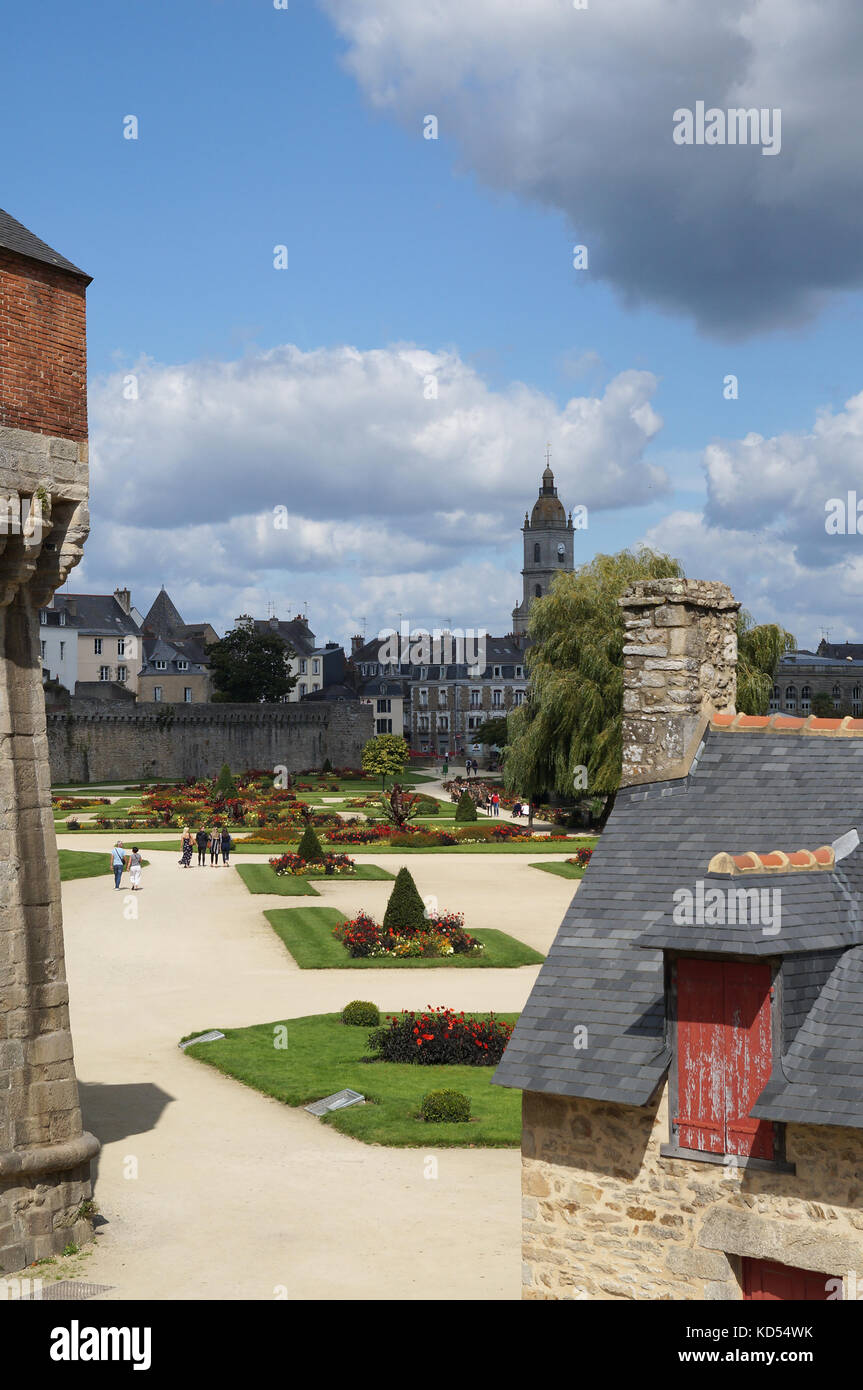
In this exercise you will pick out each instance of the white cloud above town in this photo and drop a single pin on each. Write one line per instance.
(381, 481)
(573, 109)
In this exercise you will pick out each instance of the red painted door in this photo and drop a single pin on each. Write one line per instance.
(765, 1281)
(724, 1056)
(701, 1055)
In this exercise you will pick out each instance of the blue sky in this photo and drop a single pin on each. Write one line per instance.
(253, 133)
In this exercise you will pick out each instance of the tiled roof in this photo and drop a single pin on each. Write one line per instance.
(14, 236)
(99, 615)
(756, 781)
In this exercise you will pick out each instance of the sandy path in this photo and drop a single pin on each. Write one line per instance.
(238, 1196)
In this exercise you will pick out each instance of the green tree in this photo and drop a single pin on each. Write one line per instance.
(310, 848)
(492, 733)
(405, 907)
(225, 784)
(573, 717)
(759, 651)
(822, 705)
(466, 808)
(250, 666)
(387, 755)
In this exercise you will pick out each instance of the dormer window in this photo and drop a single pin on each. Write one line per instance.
(43, 617)
(62, 618)
(182, 665)
(161, 665)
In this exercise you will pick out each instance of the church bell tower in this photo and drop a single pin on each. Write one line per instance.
(548, 547)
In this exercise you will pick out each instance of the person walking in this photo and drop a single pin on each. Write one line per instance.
(135, 864)
(118, 862)
(186, 848)
(227, 845)
(201, 841)
(495, 804)
(215, 845)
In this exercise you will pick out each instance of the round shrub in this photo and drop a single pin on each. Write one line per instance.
(361, 1014)
(446, 1107)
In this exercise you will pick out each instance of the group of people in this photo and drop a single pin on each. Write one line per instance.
(122, 860)
(218, 841)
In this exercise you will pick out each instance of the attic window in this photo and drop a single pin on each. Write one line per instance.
(161, 665)
(182, 665)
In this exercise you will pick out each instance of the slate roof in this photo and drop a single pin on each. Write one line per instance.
(97, 614)
(751, 787)
(499, 651)
(14, 236)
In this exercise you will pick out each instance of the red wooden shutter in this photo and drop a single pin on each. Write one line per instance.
(700, 1055)
(764, 1281)
(749, 1057)
(724, 1056)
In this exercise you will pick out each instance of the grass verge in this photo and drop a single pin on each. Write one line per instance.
(560, 870)
(307, 934)
(323, 1055)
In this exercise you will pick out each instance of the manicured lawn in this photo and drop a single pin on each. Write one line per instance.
(324, 1055)
(82, 863)
(260, 878)
(561, 870)
(307, 934)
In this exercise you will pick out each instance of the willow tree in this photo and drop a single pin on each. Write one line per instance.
(759, 651)
(568, 735)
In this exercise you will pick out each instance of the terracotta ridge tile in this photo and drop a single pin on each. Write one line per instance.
(777, 861)
(788, 724)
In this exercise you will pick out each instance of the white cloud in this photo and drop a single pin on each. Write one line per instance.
(573, 109)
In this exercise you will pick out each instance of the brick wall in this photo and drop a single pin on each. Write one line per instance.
(43, 365)
(97, 740)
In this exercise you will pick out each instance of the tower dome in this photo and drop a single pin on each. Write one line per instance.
(548, 510)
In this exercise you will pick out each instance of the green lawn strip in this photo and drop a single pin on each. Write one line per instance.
(561, 870)
(259, 878)
(82, 863)
(307, 934)
(324, 1055)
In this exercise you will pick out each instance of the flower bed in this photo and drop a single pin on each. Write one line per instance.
(360, 834)
(581, 858)
(441, 1037)
(443, 934)
(78, 803)
(294, 864)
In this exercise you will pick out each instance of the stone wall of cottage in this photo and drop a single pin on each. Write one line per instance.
(101, 741)
(607, 1217)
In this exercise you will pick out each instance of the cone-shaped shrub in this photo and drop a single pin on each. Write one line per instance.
(405, 907)
(225, 784)
(466, 808)
(309, 847)
(327, 767)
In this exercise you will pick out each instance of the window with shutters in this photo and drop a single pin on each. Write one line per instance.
(724, 1056)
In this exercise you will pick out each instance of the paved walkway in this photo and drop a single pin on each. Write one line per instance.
(211, 1190)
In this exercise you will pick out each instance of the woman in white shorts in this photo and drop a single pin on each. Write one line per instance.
(135, 863)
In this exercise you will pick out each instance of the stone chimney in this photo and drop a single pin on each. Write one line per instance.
(124, 598)
(357, 643)
(679, 666)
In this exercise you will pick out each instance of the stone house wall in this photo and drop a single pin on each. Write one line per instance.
(606, 1217)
